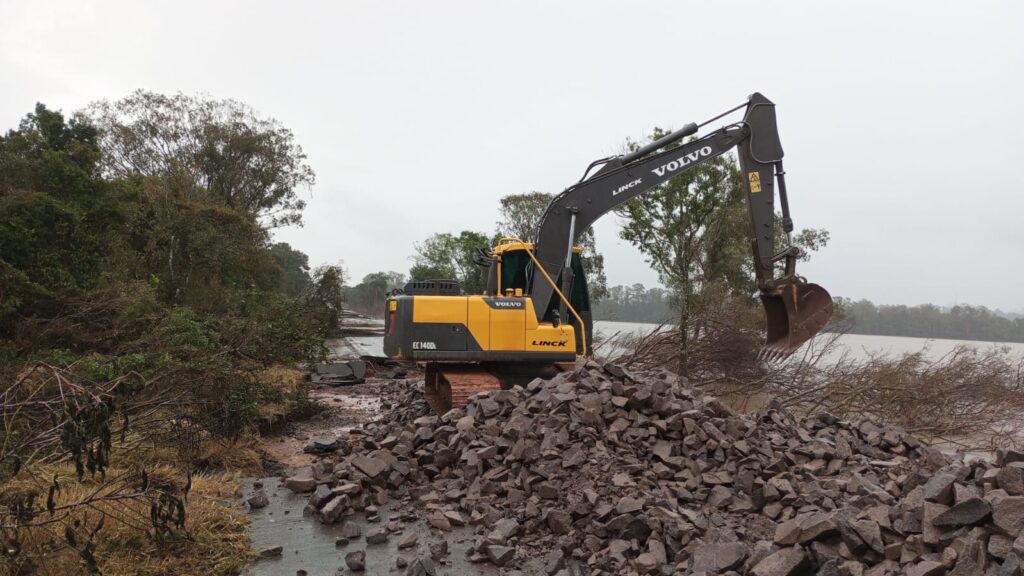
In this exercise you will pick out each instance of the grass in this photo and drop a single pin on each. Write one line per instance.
(214, 542)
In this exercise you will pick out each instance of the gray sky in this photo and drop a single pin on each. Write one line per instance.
(899, 119)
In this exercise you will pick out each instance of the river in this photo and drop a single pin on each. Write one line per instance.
(859, 346)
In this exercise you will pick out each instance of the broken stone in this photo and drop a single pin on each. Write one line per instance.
(438, 550)
(500, 555)
(377, 536)
(271, 552)
(408, 541)
(719, 557)
(502, 531)
(1008, 515)
(421, 567)
(968, 512)
(351, 530)
(319, 497)
(559, 522)
(356, 560)
(321, 446)
(258, 500)
(785, 562)
(372, 467)
(332, 511)
(300, 484)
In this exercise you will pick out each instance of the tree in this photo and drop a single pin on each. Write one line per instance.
(695, 232)
(206, 148)
(324, 298)
(368, 296)
(294, 267)
(446, 256)
(49, 154)
(520, 218)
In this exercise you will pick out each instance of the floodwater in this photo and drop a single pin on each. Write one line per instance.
(859, 346)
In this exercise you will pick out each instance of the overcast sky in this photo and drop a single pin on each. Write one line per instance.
(900, 120)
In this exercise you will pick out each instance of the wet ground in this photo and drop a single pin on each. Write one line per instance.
(309, 545)
(344, 407)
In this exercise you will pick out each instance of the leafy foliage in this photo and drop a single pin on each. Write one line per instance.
(368, 296)
(142, 302)
(694, 231)
(207, 150)
(446, 256)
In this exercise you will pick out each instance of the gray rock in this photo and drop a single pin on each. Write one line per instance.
(321, 446)
(356, 560)
(372, 467)
(351, 530)
(502, 531)
(554, 561)
(968, 512)
(421, 566)
(785, 562)
(939, 488)
(377, 536)
(500, 555)
(408, 540)
(319, 497)
(300, 484)
(271, 552)
(719, 557)
(926, 568)
(559, 522)
(332, 511)
(438, 550)
(258, 500)
(1008, 515)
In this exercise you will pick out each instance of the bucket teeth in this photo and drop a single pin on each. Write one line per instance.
(773, 354)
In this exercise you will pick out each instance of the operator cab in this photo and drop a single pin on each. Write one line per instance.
(511, 274)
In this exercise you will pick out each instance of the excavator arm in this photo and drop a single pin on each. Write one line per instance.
(795, 310)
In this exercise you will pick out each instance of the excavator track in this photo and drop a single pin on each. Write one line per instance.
(449, 385)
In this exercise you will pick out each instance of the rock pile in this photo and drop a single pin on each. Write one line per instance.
(600, 471)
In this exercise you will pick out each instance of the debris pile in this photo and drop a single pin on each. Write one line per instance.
(601, 471)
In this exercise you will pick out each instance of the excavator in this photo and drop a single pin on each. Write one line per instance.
(534, 318)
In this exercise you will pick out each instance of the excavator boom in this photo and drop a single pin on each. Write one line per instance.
(795, 311)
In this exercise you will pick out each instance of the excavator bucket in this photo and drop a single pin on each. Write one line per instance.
(794, 314)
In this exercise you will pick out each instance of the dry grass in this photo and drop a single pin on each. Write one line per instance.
(286, 382)
(971, 397)
(214, 541)
(240, 455)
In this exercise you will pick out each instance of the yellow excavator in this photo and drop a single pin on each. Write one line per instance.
(534, 318)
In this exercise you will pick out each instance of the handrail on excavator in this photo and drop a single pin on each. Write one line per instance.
(568, 305)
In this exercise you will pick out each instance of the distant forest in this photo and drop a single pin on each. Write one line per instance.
(960, 322)
(637, 303)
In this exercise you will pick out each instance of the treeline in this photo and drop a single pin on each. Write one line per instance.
(635, 304)
(960, 322)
